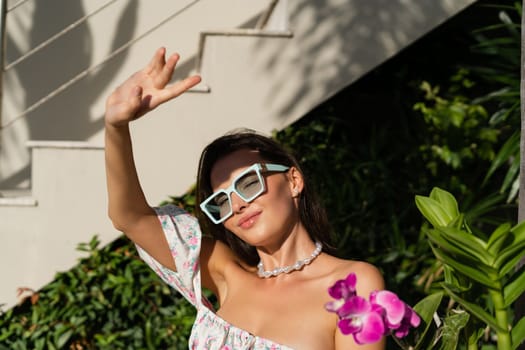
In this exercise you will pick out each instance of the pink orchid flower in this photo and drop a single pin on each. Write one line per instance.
(342, 290)
(399, 316)
(411, 319)
(394, 307)
(361, 319)
(369, 320)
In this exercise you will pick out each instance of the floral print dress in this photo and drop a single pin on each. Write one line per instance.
(209, 330)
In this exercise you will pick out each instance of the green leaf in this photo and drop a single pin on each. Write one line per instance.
(484, 206)
(510, 148)
(447, 201)
(519, 231)
(512, 174)
(458, 252)
(465, 241)
(51, 346)
(426, 308)
(433, 211)
(514, 189)
(64, 338)
(458, 222)
(514, 289)
(452, 326)
(518, 333)
(509, 257)
(497, 238)
(474, 309)
(480, 274)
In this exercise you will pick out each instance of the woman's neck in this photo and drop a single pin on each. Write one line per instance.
(293, 249)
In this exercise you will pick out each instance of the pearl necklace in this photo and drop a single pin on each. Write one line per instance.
(294, 267)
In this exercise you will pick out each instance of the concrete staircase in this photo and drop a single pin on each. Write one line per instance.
(261, 77)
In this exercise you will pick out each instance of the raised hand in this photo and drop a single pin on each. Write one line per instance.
(146, 89)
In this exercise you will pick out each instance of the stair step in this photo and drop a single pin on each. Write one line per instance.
(17, 198)
(200, 89)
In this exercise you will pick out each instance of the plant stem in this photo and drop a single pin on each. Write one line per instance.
(502, 319)
(472, 340)
(472, 346)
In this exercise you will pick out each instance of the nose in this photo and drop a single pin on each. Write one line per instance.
(238, 204)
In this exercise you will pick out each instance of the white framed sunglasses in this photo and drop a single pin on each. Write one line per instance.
(248, 185)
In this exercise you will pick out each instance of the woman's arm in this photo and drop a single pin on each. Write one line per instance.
(128, 209)
(369, 279)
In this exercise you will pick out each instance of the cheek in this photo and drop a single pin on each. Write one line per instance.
(285, 207)
(281, 200)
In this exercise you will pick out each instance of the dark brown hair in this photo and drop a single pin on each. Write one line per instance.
(311, 212)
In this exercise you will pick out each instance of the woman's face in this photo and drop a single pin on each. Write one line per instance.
(269, 217)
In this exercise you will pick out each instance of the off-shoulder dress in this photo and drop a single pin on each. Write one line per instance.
(209, 331)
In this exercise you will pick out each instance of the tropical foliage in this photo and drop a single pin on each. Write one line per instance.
(111, 300)
(479, 272)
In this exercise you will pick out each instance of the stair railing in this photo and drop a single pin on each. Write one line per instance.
(261, 23)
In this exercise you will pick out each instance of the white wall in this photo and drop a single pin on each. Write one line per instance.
(262, 82)
(76, 113)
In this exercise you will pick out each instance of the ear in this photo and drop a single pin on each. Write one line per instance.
(296, 180)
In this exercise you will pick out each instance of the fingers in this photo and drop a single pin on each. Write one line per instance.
(190, 82)
(181, 87)
(157, 61)
(166, 73)
(149, 88)
(160, 69)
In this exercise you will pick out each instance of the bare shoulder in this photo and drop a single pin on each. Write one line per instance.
(217, 262)
(217, 255)
(369, 278)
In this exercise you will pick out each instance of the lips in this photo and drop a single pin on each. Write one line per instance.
(248, 220)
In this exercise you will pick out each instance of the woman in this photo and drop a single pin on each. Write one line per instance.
(266, 259)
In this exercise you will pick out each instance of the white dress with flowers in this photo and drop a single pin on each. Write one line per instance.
(209, 330)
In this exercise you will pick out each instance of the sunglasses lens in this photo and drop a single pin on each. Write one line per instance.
(249, 186)
(218, 205)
